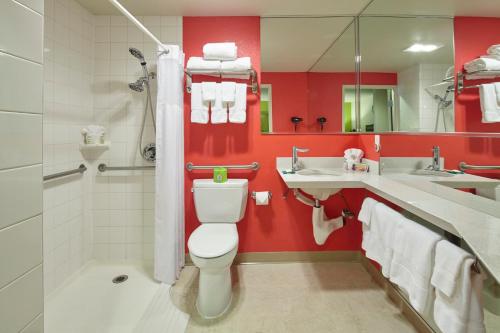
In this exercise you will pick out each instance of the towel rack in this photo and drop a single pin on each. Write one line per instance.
(103, 167)
(464, 166)
(251, 72)
(486, 74)
(81, 169)
(253, 166)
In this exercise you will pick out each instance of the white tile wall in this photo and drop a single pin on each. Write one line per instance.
(409, 98)
(123, 201)
(68, 94)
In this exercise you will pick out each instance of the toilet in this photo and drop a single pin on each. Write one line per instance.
(214, 244)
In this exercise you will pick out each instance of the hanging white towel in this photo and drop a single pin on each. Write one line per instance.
(412, 263)
(481, 64)
(494, 49)
(208, 91)
(463, 311)
(497, 92)
(380, 245)
(365, 216)
(228, 93)
(198, 63)
(218, 112)
(448, 266)
(199, 110)
(490, 107)
(238, 111)
(220, 51)
(239, 65)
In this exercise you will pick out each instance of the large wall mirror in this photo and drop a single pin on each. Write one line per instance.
(372, 72)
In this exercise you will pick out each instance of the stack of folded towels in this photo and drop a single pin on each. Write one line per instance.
(489, 93)
(434, 273)
(224, 100)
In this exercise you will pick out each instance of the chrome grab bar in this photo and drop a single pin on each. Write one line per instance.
(464, 166)
(253, 166)
(103, 167)
(81, 169)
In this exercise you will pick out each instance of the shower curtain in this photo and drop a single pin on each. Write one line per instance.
(169, 198)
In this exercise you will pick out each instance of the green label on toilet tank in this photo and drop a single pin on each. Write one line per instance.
(220, 175)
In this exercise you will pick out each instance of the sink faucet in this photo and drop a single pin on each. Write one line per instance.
(295, 157)
(435, 158)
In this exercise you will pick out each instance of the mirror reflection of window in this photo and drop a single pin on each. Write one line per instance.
(266, 109)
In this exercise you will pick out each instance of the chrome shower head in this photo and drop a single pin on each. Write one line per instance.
(138, 54)
(137, 85)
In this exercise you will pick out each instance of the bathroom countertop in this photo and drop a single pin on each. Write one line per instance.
(474, 219)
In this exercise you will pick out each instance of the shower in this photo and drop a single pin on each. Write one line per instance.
(443, 99)
(148, 152)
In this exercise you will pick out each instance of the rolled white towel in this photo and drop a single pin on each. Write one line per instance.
(482, 64)
(220, 51)
(489, 105)
(218, 113)
(198, 63)
(199, 110)
(494, 49)
(238, 111)
(491, 56)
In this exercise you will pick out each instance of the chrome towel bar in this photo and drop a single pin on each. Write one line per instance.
(81, 169)
(464, 166)
(253, 166)
(103, 167)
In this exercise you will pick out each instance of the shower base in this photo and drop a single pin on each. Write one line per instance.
(91, 302)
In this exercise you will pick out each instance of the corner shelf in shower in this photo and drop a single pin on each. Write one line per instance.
(94, 146)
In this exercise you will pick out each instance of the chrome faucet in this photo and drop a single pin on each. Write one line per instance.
(435, 158)
(295, 157)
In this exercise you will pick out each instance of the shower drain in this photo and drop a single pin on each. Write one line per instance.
(120, 278)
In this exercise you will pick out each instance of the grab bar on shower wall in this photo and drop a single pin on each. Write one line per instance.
(464, 166)
(253, 166)
(103, 167)
(81, 169)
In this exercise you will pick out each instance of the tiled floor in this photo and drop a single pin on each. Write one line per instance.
(297, 297)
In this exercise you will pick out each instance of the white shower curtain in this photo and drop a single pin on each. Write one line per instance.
(169, 199)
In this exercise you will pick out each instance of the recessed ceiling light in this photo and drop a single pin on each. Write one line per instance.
(417, 47)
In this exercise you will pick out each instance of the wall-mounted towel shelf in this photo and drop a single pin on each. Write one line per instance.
(253, 166)
(251, 72)
(461, 77)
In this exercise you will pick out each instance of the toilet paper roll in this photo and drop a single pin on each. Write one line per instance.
(262, 198)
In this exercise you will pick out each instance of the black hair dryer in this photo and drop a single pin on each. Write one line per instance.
(296, 121)
(321, 121)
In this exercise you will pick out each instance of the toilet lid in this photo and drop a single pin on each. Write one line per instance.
(213, 240)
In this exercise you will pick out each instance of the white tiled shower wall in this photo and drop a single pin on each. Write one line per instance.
(123, 202)
(87, 69)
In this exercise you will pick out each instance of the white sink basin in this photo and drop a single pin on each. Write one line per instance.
(317, 172)
(321, 193)
(427, 172)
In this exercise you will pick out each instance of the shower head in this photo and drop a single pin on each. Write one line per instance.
(137, 85)
(138, 54)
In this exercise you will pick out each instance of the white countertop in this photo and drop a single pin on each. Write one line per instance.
(468, 216)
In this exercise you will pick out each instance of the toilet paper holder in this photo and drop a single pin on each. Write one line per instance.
(254, 194)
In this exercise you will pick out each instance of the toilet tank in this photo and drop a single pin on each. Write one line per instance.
(220, 202)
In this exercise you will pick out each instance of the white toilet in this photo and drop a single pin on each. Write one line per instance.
(213, 245)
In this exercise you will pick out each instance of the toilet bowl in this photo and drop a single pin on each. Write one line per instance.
(214, 244)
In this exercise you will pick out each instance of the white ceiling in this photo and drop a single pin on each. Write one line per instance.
(295, 44)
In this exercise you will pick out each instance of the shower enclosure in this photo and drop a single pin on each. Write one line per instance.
(99, 227)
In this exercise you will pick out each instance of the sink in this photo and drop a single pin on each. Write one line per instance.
(317, 172)
(427, 172)
(321, 193)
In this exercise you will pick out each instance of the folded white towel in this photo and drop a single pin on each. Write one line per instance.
(238, 111)
(497, 92)
(380, 244)
(208, 91)
(491, 56)
(220, 51)
(489, 105)
(448, 266)
(463, 311)
(481, 64)
(199, 110)
(198, 63)
(228, 92)
(494, 49)
(218, 112)
(412, 263)
(365, 216)
(238, 65)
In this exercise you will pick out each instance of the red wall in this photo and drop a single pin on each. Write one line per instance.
(322, 93)
(473, 36)
(284, 225)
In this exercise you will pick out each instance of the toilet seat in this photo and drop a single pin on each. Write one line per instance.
(212, 240)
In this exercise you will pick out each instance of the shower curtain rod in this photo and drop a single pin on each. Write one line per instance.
(132, 18)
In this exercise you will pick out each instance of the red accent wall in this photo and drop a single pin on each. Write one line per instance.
(284, 225)
(473, 36)
(313, 95)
